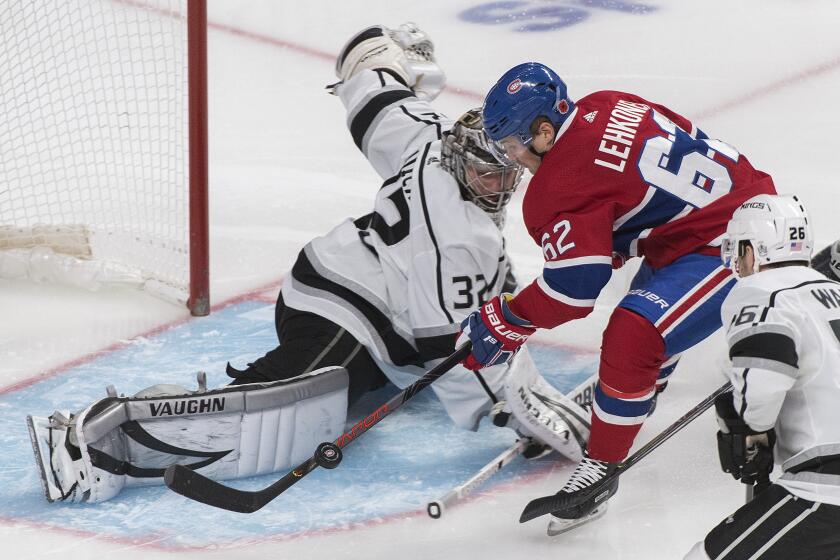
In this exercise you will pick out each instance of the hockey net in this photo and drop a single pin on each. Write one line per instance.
(102, 144)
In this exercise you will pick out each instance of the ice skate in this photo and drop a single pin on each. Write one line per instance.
(587, 482)
(558, 526)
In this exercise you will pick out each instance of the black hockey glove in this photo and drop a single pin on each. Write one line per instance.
(744, 453)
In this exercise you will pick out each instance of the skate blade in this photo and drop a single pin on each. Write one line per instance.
(558, 526)
(39, 433)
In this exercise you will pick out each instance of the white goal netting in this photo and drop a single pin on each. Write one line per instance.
(94, 143)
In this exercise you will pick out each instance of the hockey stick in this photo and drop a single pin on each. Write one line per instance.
(557, 502)
(435, 508)
(581, 395)
(198, 487)
(757, 487)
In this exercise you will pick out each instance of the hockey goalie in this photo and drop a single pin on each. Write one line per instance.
(377, 300)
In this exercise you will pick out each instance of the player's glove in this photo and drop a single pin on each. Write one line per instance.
(744, 453)
(495, 332)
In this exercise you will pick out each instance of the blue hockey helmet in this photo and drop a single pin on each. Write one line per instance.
(522, 94)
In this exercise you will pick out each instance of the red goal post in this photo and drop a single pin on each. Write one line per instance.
(103, 145)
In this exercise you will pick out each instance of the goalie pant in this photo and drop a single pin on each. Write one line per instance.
(227, 433)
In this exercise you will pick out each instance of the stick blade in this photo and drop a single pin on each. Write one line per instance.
(572, 505)
(539, 507)
(560, 503)
(195, 486)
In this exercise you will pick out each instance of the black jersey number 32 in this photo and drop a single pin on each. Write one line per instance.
(469, 291)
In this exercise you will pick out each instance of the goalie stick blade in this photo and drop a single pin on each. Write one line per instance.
(196, 487)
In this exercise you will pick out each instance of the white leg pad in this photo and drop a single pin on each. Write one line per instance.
(225, 433)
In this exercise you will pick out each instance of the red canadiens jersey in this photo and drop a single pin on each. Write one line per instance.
(631, 178)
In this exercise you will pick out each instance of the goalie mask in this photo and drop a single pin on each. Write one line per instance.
(484, 180)
(776, 227)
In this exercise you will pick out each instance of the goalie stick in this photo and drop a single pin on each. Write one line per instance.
(557, 502)
(198, 487)
(581, 395)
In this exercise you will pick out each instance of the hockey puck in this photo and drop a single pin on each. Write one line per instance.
(435, 510)
(328, 455)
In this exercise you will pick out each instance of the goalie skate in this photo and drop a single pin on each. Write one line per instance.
(49, 437)
(557, 526)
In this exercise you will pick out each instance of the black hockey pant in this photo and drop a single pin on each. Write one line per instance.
(308, 342)
(776, 525)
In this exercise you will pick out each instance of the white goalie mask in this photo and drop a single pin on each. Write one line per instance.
(487, 182)
(776, 227)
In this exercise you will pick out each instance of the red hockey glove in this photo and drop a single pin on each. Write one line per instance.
(495, 332)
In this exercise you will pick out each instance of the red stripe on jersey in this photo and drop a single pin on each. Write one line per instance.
(681, 310)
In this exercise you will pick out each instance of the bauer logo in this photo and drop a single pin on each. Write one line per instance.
(514, 86)
(191, 406)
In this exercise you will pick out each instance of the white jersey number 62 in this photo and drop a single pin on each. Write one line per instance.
(684, 166)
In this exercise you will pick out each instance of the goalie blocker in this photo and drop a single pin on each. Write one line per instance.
(225, 433)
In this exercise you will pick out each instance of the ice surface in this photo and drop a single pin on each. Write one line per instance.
(761, 74)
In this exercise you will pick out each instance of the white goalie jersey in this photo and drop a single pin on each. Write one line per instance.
(783, 331)
(402, 278)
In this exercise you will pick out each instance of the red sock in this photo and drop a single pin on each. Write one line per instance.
(631, 355)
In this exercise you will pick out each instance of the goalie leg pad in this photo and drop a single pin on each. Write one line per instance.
(544, 413)
(225, 433)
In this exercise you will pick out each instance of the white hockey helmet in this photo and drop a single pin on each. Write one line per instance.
(775, 226)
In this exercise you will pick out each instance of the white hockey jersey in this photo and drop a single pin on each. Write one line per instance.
(402, 278)
(783, 330)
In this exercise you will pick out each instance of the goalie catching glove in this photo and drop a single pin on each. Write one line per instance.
(407, 53)
(495, 332)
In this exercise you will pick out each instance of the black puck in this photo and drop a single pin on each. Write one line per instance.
(328, 455)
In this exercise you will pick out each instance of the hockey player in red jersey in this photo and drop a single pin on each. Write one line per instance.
(615, 177)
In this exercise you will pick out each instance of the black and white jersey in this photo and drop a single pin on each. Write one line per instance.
(783, 331)
(824, 263)
(402, 278)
